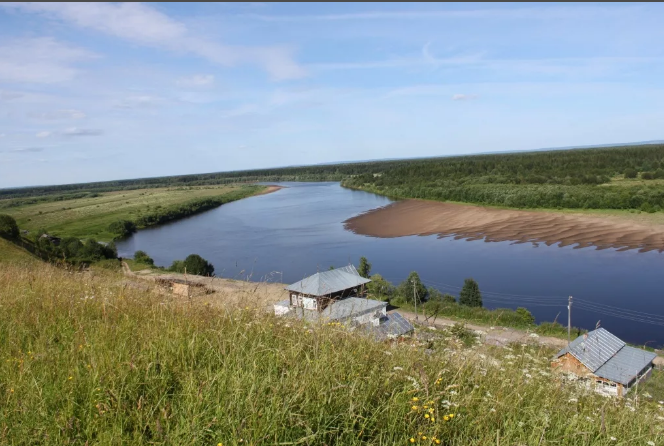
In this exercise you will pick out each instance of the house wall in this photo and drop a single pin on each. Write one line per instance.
(309, 303)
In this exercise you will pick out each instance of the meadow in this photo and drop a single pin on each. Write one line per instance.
(89, 360)
(90, 216)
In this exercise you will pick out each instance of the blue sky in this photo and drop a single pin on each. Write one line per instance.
(92, 92)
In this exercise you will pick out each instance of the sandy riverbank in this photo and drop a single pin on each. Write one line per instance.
(417, 217)
(270, 189)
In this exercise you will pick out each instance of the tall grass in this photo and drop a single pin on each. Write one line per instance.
(88, 360)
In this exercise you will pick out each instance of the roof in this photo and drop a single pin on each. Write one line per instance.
(329, 282)
(391, 326)
(341, 310)
(607, 356)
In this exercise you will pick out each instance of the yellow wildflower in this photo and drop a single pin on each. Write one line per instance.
(424, 437)
(446, 418)
(426, 416)
(70, 378)
(451, 415)
(414, 407)
(412, 440)
(415, 398)
(219, 444)
(433, 419)
(431, 410)
(437, 441)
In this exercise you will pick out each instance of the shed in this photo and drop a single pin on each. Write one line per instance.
(605, 362)
(317, 291)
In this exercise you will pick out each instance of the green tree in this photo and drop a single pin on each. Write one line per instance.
(197, 265)
(449, 299)
(365, 268)
(122, 228)
(630, 173)
(177, 266)
(143, 257)
(470, 294)
(379, 288)
(526, 315)
(405, 289)
(8, 227)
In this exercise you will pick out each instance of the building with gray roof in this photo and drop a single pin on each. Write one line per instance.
(603, 360)
(332, 296)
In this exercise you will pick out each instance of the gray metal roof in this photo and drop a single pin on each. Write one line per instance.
(626, 364)
(391, 326)
(340, 310)
(594, 348)
(329, 282)
(607, 356)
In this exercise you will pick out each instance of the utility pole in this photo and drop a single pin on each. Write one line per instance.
(569, 320)
(415, 300)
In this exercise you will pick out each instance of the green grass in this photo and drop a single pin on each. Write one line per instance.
(91, 216)
(11, 253)
(86, 360)
(503, 317)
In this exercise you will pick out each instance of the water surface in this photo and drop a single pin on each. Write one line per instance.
(298, 230)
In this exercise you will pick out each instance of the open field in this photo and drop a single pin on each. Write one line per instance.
(420, 217)
(88, 359)
(91, 216)
(10, 253)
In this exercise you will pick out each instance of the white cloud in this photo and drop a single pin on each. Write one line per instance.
(197, 80)
(75, 131)
(43, 134)
(143, 24)
(57, 114)
(28, 150)
(463, 97)
(38, 60)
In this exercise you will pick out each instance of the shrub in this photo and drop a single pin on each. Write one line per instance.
(143, 257)
(379, 288)
(193, 264)
(8, 227)
(449, 299)
(647, 176)
(630, 173)
(526, 315)
(122, 228)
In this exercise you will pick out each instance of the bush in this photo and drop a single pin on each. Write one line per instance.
(122, 228)
(526, 315)
(193, 264)
(379, 288)
(630, 173)
(8, 227)
(647, 176)
(449, 299)
(143, 257)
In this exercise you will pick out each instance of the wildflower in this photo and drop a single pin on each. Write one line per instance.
(431, 410)
(412, 440)
(415, 398)
(424, 437)
(492, 410)
(219, 444)
(433, 419)
(70, 378)
(426, 415)
(451, 415)
(446, 418)
(398, 368)
(415, 407)
(651, 443)
(437, 441)
(613, 438)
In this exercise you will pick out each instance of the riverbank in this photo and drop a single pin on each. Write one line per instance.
(90, 216)
(420, 217)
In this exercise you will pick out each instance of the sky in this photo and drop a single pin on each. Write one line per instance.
(102, 91)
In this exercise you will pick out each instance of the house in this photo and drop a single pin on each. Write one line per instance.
(336, 296)
(605, 363)
(51, 238)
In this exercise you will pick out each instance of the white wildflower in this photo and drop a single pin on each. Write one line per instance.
(398, 368)
(528, 375)
(432, 328)
(413, 381)
(483, 356)
(534, 335)
(573, 400)
(651, 443)
(492, 410)
(388, 353)
(521, 424)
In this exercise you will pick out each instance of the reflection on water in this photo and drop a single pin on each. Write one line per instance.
(298, 230)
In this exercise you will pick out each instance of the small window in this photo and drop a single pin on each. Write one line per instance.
(613, 385)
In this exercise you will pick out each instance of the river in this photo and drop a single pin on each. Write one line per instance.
(296, 231)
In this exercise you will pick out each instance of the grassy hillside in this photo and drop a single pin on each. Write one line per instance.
(86, 360)
(91, 215)
(11, 253)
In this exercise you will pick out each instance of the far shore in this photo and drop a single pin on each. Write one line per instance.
(269, 190)
(471, 222)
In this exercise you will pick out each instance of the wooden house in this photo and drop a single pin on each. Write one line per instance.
(605, 363)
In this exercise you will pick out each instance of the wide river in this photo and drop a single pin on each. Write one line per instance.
(297, 231)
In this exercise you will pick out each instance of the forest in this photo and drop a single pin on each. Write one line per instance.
(625, 177)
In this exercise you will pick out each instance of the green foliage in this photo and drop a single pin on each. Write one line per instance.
(143, 257)
(630, 173)
(379, 288)
(575, 179)
(526, 315)
(405, 290)
(449, 299)
(365, 268)
(122, 228)
(470, 294)
(465, 335)
(193, 264)
(8, 227)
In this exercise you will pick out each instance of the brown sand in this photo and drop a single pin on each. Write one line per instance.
(270, 189)
(418, 217)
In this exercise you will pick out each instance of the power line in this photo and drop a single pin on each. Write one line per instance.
(612, 308)
(618, 315)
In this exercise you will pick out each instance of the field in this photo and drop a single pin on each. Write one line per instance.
(91, 216)
(86, 359)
